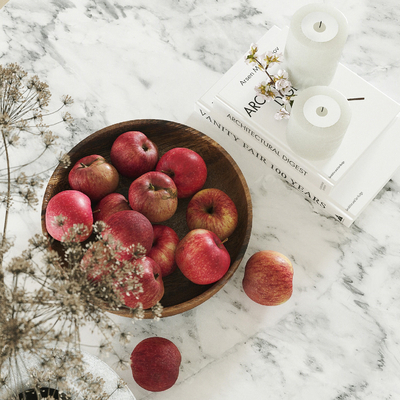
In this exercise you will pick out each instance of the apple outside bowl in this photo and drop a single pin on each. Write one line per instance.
(223, 173)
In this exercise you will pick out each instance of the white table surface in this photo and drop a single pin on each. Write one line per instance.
(338, 336)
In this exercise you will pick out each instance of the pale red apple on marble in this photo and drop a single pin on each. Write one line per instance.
(268, 278)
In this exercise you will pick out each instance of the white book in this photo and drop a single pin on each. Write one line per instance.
(349, 197)
(205, 123)
(346, 201)
(235, 98)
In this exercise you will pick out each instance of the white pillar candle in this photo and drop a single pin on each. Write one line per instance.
(314, 45)
(318, 122)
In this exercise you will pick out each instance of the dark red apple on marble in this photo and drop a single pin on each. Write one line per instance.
(163, 250)
(268, 278)
(132, 230)
(214, 210)
(187, 169)
(150, 280)
(155, 364)
(154, 195)
(202, 257)
(66, 209)
(94, 176)
(109, 205)
(133, 154)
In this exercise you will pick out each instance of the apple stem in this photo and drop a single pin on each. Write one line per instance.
(224, 241)
(169, 173)
(88, 165)
(171, 193)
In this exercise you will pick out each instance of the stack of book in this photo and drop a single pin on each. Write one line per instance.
(342, 185)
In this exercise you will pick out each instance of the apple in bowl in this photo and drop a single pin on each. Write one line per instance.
(165, 241)
(154, 194)
(94, 176)
(186, 168)
(109, 205)
(139, 279)
(130, 233)
(202, 257)
(214, 210)
(133, 154)
(150, 280)
(66, 209)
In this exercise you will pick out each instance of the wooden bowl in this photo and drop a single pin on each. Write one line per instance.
(223, 173)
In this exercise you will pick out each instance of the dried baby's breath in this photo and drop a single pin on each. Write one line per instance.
(66, 298)
(45, 298)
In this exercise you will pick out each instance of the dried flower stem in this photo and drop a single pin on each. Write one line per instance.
(47, 296)
(8, 204)
(23, 101)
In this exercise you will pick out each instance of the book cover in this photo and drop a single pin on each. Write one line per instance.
(355, 191)
(207, 101)
(350, 198)
(372, 171)
(218, 131)
(236, 98)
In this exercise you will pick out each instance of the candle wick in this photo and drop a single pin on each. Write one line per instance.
(356, 98)
(320, 23)
(322, 109)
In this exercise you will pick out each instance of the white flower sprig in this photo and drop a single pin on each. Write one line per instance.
(278, 86)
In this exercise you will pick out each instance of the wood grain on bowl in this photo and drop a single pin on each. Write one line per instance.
(223, 173)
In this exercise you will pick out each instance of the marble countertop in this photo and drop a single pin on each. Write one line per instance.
(338, 336)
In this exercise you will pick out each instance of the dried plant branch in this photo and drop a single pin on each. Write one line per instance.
(23, 100)
(46, 298)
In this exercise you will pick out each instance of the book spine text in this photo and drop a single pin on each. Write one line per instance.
(322, 205)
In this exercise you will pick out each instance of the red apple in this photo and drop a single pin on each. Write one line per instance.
(94, 176)
(109, 205)
(133, 154)
(140, 283)
(268, 278)
(154, 195)
(163, 250)
(66, 209)
(97, 262)
(152, 286)
(132, 230)
(202, 257)
(187, 169)
(155, 363)
(214, 210)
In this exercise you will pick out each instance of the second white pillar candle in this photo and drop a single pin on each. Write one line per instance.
(314, 45)
(318, 122)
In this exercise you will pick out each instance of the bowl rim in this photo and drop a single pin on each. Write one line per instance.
(216, 286)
